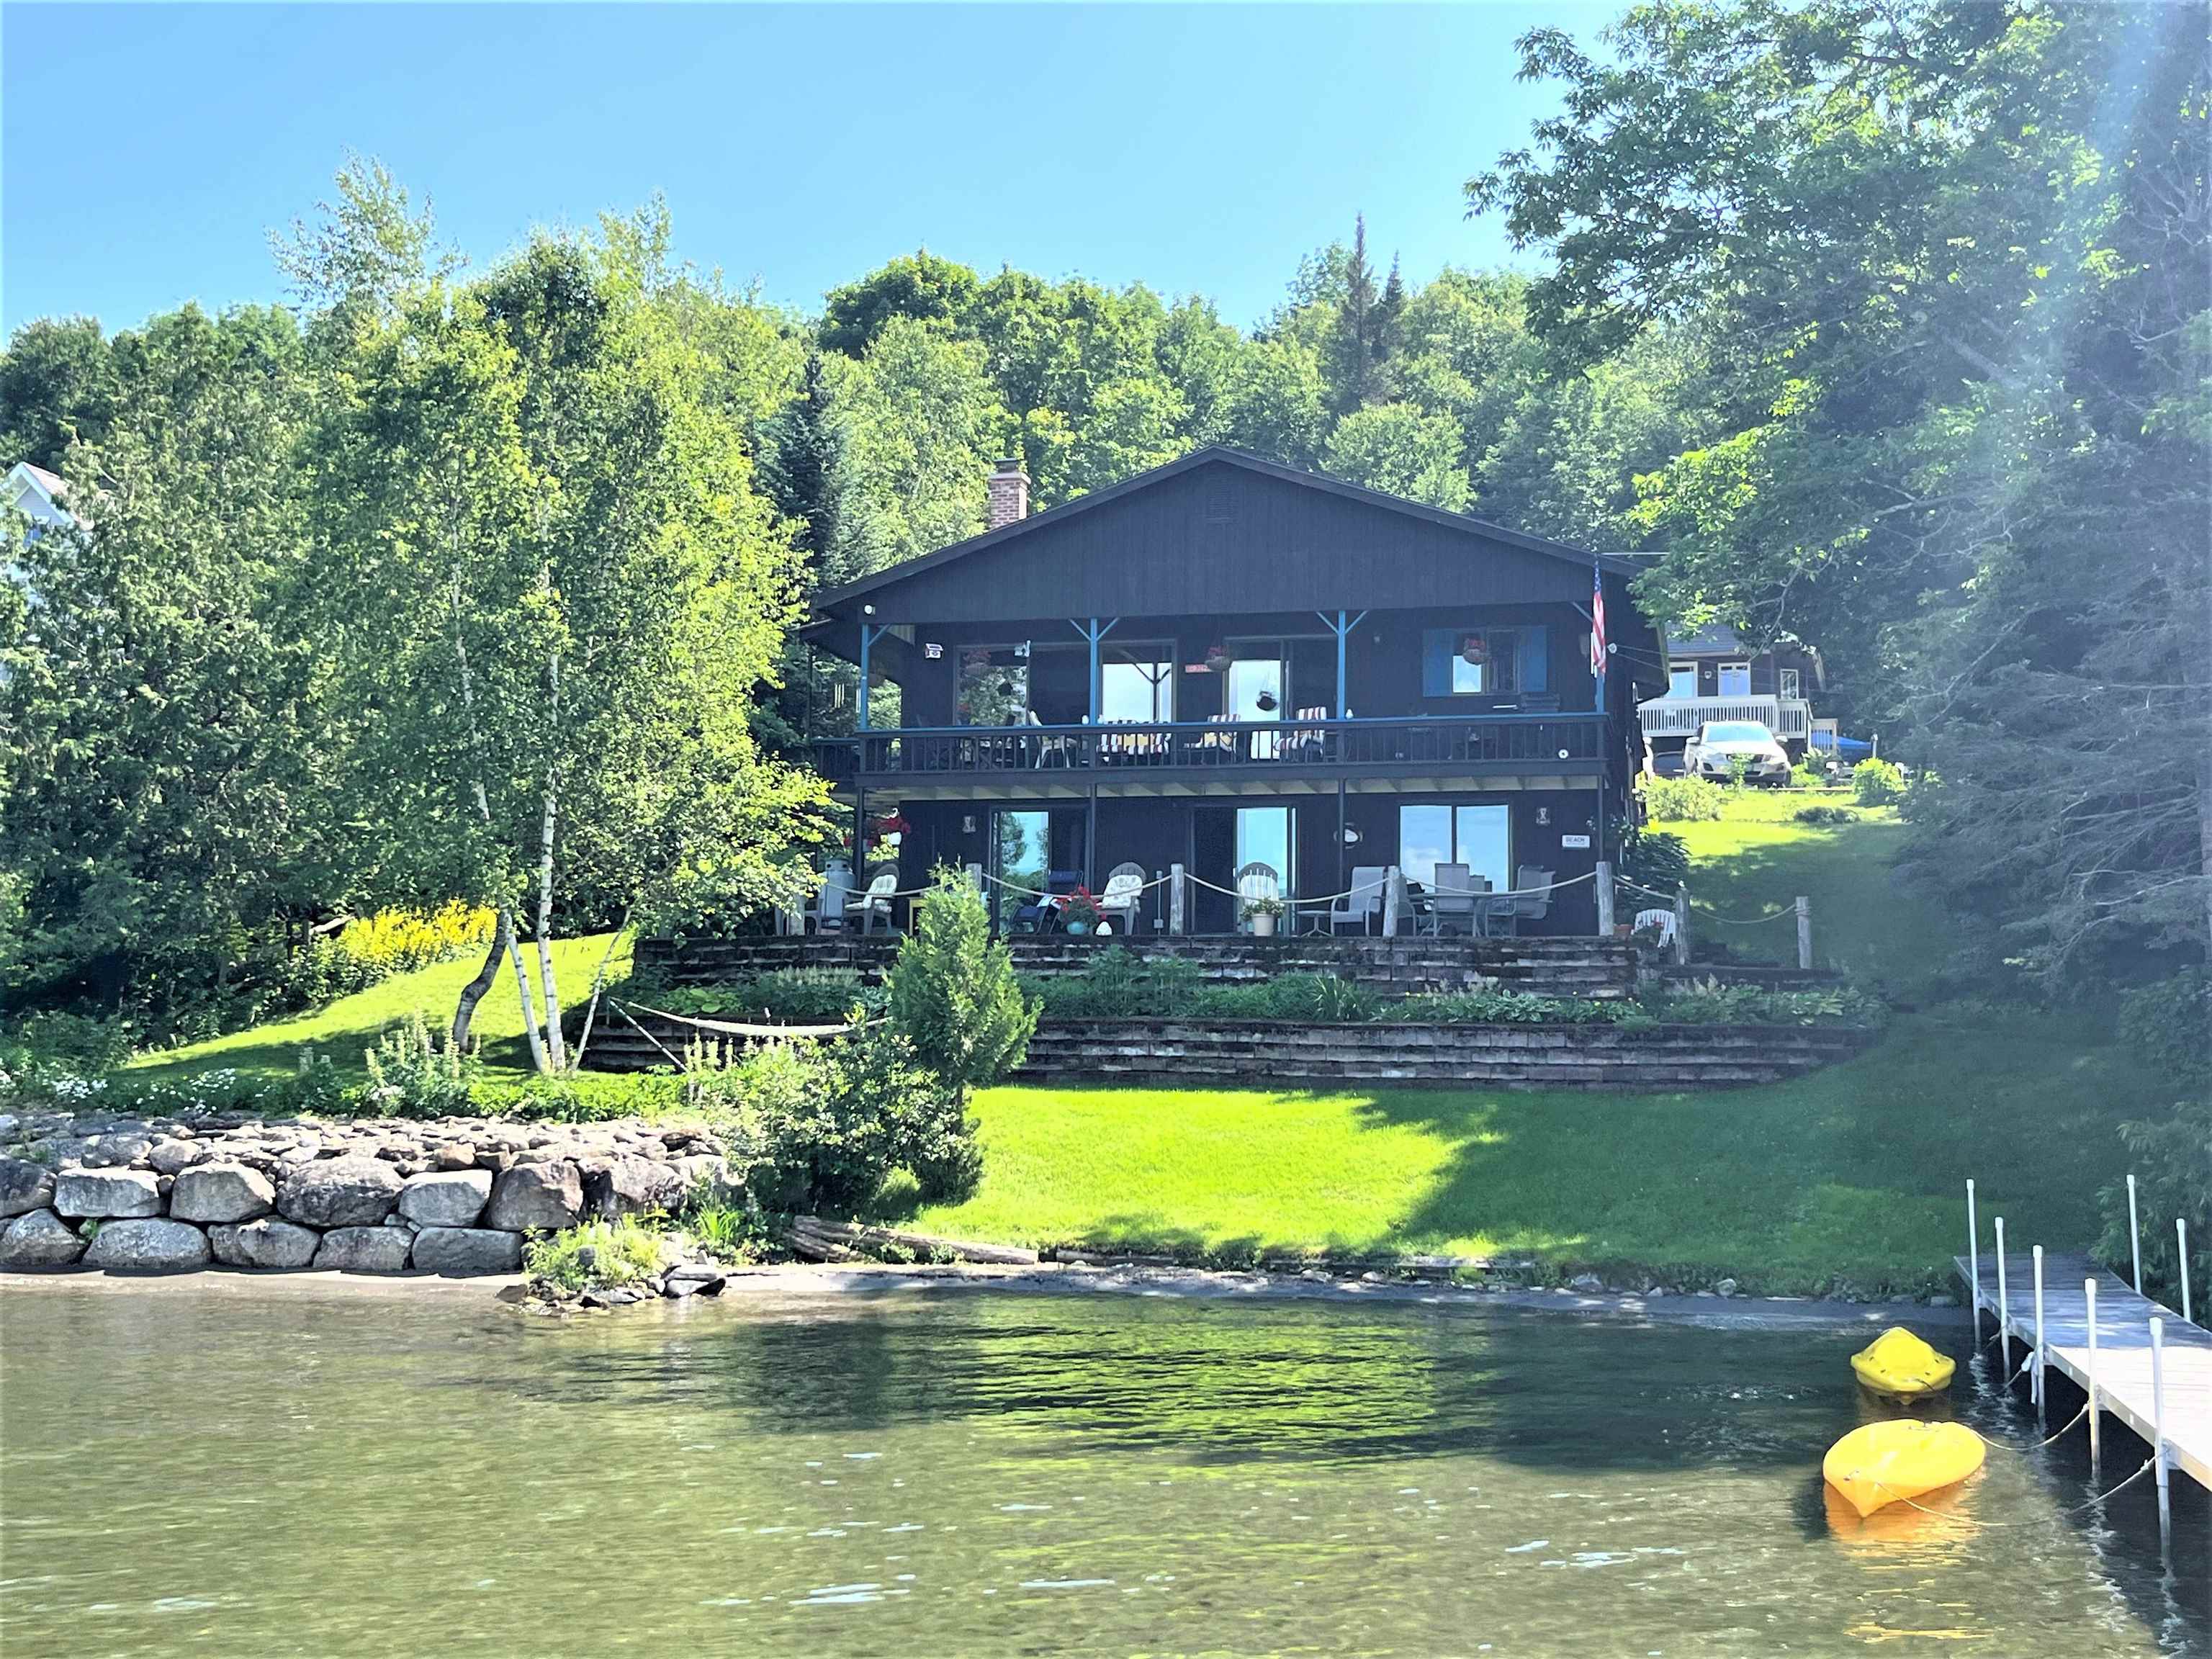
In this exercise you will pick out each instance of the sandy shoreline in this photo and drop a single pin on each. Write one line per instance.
(793, 1288)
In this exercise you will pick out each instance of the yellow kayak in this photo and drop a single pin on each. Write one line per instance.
(1884, 1462)
(1900, 1365)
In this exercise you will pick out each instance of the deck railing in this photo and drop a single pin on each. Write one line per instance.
(1471, 740)
(1787, 718)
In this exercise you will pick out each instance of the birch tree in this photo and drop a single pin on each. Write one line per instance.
(550, 592)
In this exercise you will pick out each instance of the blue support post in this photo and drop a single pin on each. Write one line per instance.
(869, 635)
(1341, 627)
(1092, 634)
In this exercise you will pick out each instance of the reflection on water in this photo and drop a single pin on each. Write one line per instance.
(185, 1469)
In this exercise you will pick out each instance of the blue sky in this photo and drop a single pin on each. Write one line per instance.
(149, 151)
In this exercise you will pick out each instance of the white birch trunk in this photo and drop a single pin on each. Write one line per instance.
(531, 1018)
(554, 1046)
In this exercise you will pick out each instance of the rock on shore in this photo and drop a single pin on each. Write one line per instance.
(453, 1196)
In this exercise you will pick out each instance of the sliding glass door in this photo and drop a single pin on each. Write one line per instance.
(1436, 832)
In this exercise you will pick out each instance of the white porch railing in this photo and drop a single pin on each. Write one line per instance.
(1787, 718)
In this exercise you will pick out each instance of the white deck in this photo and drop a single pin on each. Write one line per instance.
(2122, 1348)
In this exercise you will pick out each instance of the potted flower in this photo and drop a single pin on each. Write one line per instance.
(1217, 658)
(1261, 912)
(1079, 913)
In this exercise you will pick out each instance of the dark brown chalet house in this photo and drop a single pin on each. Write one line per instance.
(1224, 662)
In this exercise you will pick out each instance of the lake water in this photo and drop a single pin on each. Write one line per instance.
(213, 1466)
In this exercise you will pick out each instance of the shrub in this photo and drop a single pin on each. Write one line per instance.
(733, 1233)
(817, 1125)
(784, 996)
(2173, 1161)
(584, 1097)
(1806, 776)
(599, 1254)
(1876, 783)
(2169, 1024)
(1653, 860)
(953, 991)
(1825, 815)
(1683, 800)
(1488, 1006)
(409, 1075)
(1115, 984)
(372, 949)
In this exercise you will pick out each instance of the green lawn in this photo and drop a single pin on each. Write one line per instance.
(1759, 859)
(1855, 1171)
(347, 1027)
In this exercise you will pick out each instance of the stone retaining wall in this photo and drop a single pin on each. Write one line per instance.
(1594, 1056)
(452, 1197)
(1550, 967)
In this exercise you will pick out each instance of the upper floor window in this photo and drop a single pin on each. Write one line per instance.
(1139, 687)
(1463, 662)
(1791, 682)
(1736, 679)
(1682, 679)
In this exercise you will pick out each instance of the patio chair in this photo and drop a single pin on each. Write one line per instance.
(1042, 916)
(1308, 744)
(1364, 902)
(877, 900)
(832, 904)
(1256, 881)
(1531, 898)
(1124, 897)
(1213, 748)
(1452, 898)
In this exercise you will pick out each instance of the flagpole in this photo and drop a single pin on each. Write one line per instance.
(1597, 669)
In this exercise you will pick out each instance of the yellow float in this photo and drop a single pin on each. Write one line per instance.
(1898, 1365)
(1885, 1463)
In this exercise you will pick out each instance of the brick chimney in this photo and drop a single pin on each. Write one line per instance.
(1009, 494)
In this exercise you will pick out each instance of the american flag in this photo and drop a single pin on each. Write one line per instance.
(1597, 626)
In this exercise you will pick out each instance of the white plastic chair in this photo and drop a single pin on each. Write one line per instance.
(876, 901)
(1663, 919)
(1124, 897)
(1254, 882)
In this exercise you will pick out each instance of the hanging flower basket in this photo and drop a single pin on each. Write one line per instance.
(1266, 702)
(891, 823)
(1217, 659)
(1474, 650)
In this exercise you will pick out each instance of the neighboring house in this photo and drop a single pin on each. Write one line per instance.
(1714, 675)
(1224, 662)
(37, 495)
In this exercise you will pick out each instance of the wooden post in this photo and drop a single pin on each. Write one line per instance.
(2089, 1294)
(2035, 1376)
(1392, 887)
(1804, 932)
(2135, 1235)
(1973, 1261)
(2004, 1309)
(2181, 1255)
(1604, 899)
(2158, 1422)
(1176, 913)
(1682, 926)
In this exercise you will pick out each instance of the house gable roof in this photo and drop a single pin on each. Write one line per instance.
(1058, 518)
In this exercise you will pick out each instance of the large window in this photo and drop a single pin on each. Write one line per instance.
(1433, 833)
(1139, 686)
(1736, 679)
(1682, 680)
(1482, 662)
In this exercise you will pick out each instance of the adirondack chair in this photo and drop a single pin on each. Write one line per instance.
(876, 902)
(1256, 881)
(1124, 897)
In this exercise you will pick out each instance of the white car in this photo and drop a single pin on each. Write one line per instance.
(1714, 753)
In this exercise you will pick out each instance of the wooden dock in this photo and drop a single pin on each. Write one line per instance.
(2123, 1319)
